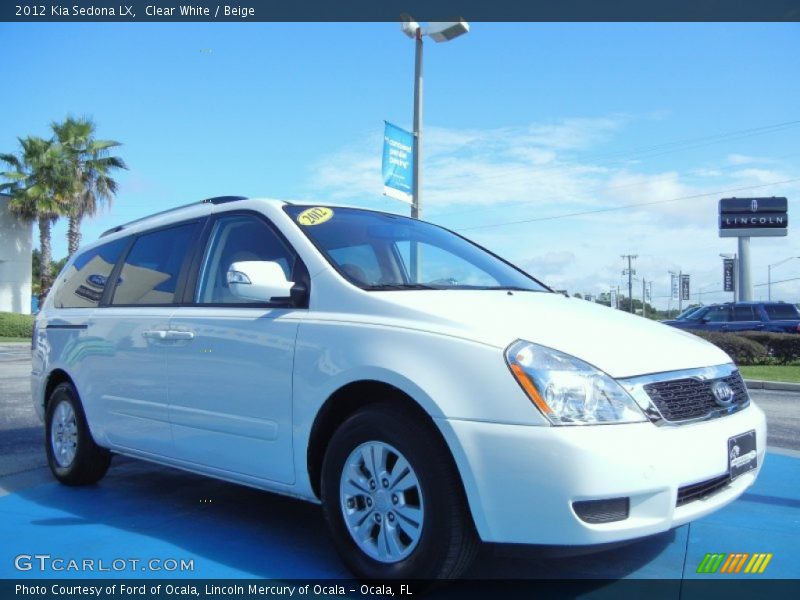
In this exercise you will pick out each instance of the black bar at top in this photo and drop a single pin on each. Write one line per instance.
(390, 10)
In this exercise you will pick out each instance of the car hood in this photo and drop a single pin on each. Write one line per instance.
(621, 344)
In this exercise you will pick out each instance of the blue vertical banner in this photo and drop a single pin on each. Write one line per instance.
(397, 164)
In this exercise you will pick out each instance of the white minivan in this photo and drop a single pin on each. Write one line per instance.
(426, 392)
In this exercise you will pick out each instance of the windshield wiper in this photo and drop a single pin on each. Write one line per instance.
(509, 288)
(400, 286)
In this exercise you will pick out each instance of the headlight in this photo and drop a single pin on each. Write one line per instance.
(567, 390)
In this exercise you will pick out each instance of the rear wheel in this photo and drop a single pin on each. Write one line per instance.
(72, 454)
(393, 499)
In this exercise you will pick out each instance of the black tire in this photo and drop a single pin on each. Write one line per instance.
(448, 541)
(90, 461)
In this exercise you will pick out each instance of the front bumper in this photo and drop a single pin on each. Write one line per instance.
(521, 480)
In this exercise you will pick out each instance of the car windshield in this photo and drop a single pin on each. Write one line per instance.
(689, 312)
(378, 251)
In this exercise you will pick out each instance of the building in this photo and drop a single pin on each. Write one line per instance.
(16, 246)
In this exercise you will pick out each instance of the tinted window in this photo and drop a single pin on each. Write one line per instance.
(744, 313)
(776, 312)
(151, 269)
(234, 239)
(82, 283)
(717, 314)
(378, 251)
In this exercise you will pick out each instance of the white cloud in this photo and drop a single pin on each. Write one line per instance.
(474, 178)
(743, 159)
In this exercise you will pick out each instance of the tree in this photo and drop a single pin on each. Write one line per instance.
(36, 267)
(92, 167)
(39, 183)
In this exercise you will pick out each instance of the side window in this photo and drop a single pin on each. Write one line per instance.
(235, 239)
(777, 312)
(718, 314)
(743, 313)
(152, 267)
(83, 282)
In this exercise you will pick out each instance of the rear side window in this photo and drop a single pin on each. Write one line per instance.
(777, 312)
(83, 282)
(744, 313)
(151, 269)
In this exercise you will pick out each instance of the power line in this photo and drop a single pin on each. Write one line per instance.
(624, 206)
(774, 282)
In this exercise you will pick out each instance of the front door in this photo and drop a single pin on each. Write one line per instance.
(230, 366)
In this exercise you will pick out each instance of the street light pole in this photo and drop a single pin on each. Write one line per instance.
(769, 274)
(438, 32)
(417, 154)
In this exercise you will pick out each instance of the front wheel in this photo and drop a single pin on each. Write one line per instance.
(72, 454)
(393, 499)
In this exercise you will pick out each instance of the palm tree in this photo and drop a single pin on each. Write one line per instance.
(38, 181)
(92, 167)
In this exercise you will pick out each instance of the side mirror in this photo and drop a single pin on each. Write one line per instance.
(259, 281)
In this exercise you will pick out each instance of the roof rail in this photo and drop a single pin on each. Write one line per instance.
(223, 199)
(214, 200)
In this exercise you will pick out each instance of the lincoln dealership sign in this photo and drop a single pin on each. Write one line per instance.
(753, 217)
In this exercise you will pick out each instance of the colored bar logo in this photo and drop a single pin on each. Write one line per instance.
(737, 562)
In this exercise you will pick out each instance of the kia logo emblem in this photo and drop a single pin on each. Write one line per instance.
(723, 394)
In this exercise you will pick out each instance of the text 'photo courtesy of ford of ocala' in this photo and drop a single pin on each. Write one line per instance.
(427, 393)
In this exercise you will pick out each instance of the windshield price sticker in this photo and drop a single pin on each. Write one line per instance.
(314, 216)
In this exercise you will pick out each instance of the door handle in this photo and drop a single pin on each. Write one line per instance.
(155, 334)
(179, 335)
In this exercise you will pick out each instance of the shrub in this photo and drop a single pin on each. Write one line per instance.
(15, 325)
(742, 350)
(783, 347)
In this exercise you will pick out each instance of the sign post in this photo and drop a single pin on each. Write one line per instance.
(744, 218)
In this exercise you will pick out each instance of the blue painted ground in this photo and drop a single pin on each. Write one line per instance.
(143, 511)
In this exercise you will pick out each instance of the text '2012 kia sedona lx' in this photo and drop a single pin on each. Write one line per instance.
(426, 392)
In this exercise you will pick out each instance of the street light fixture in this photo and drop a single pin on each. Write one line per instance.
(438, 32)
(769, 274)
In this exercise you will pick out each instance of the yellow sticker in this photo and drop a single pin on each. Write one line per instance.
(314, 216)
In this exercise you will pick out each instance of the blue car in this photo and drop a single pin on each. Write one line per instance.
(774, 317)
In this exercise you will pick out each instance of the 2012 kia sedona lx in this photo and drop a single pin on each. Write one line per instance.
(428, 393)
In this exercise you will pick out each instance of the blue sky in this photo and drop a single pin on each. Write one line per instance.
(522, 121)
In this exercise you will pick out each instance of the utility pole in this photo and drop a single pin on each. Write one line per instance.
(644, 297)
(630, 272)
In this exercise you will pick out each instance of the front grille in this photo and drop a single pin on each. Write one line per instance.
(696, 491)
(686, 399)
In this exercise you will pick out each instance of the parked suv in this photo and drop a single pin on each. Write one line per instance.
(426, 392)
(775, 317)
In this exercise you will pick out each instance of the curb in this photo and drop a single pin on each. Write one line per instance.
(755, 384)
